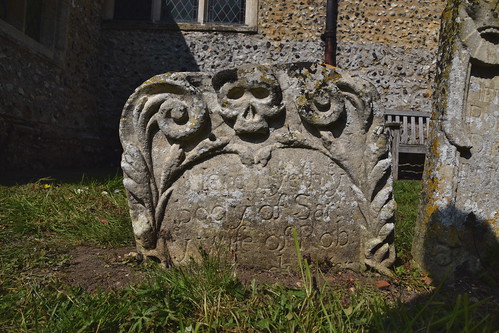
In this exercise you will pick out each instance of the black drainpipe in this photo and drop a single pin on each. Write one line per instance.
(329, 37)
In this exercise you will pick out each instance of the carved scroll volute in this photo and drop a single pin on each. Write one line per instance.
(320, 106)
(178, 110)
(179, 117)
(248, 99)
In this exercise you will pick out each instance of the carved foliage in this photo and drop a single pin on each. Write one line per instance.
(216, 116)
(176, 109)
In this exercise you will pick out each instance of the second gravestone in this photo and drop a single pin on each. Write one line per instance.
(457, 231)
(234, 161)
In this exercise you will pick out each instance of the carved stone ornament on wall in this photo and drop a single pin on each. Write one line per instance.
(234, 161)
(458, 228)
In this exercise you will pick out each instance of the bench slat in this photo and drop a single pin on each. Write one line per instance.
(421, 130)
(409, 133)
(413, 131)
(404, 130)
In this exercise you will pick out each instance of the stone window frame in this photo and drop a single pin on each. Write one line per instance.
(52, 41)
(250, 22)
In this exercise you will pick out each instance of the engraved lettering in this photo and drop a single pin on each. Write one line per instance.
(294, 181)
(342, 235)
(343, 238)
(304, 212)
(266, 212)
(272, 243)
(239, 182)
(184, 216)
(306, 231)
(249, 214)
(213, 183)
(327, 240)
(201, 214)
(319, 212)
(218, 213)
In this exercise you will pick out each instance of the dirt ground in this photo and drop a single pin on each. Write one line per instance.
(97, 269)
(104, 269)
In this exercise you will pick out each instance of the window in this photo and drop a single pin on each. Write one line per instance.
(35, 18)
(180, 11)
(224, 11)
(39, 25)
(185, 13)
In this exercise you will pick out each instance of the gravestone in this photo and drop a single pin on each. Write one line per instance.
(236, 160)
(457, 229)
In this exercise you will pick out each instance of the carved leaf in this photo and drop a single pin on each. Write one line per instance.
(173, 159)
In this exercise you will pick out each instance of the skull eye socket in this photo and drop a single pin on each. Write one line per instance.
(235, 93)
(260, 93)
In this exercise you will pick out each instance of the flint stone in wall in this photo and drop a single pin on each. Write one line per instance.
(458, 229)
(236, 160)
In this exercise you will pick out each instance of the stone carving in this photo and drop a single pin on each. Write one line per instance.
(457, 228)
(248, 101)
(237, 160)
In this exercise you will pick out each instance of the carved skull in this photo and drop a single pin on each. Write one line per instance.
(248, 99)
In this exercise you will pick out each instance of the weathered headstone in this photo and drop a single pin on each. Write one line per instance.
(234, 161)
(458, 227)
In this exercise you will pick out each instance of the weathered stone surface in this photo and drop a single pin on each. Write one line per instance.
(236, 160)
(457, 229)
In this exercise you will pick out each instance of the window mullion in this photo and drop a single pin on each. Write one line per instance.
(251, 18)
(156, 10)
(108, 9)
(202, 11)
(25, 12)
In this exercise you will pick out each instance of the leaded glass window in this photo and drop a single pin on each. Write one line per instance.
(242, 14)
(179, 11)
(226, 11)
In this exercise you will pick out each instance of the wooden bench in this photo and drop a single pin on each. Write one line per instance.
(408, 132)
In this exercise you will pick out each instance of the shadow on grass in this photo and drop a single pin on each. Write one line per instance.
(68, 176)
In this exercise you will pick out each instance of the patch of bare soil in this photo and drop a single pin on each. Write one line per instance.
(105, 269)
(97, 269)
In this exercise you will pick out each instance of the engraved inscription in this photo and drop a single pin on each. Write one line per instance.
(480, 171)
(252, 210)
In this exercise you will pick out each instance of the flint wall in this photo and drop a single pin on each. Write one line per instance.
(78, 102)
(48, 117)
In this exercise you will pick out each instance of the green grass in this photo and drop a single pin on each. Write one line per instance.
(407, 195)
(39, 223)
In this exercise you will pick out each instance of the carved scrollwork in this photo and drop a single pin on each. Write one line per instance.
(178, 117)
(322, 106)
(177, 109)
(190, 124)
